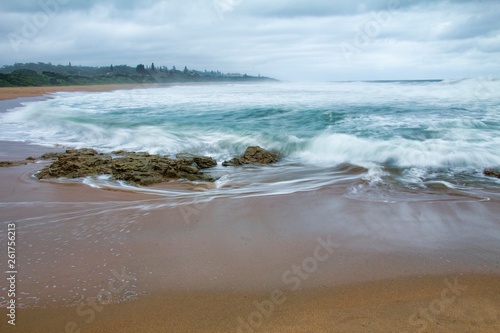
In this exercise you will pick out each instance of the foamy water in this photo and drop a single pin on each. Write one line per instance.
(385, 141)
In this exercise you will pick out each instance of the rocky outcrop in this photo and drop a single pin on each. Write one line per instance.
(253, 155)
(5, 164)
(135, 168)
(50, 156)
(492, 173)
(203, 162)
(76, 163)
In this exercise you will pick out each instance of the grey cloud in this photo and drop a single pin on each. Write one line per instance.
(480, 24)
(297, 8)
(35, 5)
(286, 39)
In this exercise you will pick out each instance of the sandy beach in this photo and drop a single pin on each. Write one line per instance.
(100, 260)
(7, 93)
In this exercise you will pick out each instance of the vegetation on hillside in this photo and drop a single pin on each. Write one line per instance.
(43, 74)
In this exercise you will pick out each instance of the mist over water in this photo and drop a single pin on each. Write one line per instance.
(385, 141)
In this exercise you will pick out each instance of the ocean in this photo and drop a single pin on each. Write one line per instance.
(382, 141)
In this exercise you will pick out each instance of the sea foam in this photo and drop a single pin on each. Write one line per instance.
(448, 130)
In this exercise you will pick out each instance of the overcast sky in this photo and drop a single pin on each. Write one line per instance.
(290, 40)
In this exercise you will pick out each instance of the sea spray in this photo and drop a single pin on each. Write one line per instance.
(407, 135)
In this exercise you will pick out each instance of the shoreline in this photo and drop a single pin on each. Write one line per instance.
(8, 93)
(358, 266)
(214, 267)
(13, 93)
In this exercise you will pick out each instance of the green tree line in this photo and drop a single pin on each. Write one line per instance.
(47, 74)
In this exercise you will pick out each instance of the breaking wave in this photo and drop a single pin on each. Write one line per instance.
(411, 134)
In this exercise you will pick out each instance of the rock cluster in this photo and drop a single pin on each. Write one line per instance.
(492, 173)
(6, 164)
(253, 155)
(144, 168)
(135, 168)
(138, 168)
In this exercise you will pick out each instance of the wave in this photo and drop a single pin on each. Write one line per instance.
(416, 134)
(393, 139)
(334, 149)
(470, 81)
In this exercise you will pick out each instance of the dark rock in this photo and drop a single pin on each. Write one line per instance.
(49, 156)
(254, 155)
(492, 173)
(28, 160)
(83, 151)
(6, 164)
(137, 168)
(77, 163)
(203, 162)
(119, 152)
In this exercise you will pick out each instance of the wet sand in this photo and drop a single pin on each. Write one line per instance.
(200, 267)
(373, 307)
(120, 261)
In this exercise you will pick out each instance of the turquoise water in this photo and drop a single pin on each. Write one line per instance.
(383, 141)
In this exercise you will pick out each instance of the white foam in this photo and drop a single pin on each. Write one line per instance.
(334, 149)
(429, 129)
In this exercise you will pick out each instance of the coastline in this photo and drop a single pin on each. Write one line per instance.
(13, 93)
(7, 93)
(200, 267)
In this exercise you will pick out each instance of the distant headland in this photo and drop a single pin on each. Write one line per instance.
(47, 74)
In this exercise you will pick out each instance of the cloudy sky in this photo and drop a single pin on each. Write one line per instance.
(289, 40)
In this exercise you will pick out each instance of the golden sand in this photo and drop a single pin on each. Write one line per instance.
(415, 304)
(16, 92)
